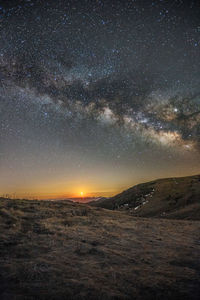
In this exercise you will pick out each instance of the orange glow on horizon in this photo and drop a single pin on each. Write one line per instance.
(45, 194)
(59, 189)
(56, 188)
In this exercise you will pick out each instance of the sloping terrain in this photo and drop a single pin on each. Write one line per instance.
(64, 250)
(177, 198)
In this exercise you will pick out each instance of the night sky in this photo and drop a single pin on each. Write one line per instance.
(96, 96)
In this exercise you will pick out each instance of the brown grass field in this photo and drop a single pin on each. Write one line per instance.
(65, 250)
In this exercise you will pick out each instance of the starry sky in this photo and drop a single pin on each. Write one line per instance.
(96, 96)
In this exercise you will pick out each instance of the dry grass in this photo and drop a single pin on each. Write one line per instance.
(63, 250)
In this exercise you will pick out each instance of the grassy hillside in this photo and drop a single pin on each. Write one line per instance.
(177, 198)
(63, 250)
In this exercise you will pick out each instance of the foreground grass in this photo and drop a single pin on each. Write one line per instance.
(63, 250)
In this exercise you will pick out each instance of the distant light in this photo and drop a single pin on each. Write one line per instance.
(81, 194)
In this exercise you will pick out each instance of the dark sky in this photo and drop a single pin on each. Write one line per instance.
(96, 96)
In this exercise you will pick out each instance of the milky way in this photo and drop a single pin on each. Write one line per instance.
(97, 92)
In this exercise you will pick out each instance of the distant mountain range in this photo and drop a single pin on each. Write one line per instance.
(86, 199)
(177, 198)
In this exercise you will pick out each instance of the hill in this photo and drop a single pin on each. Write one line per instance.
(65, 250)
(177, 198)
